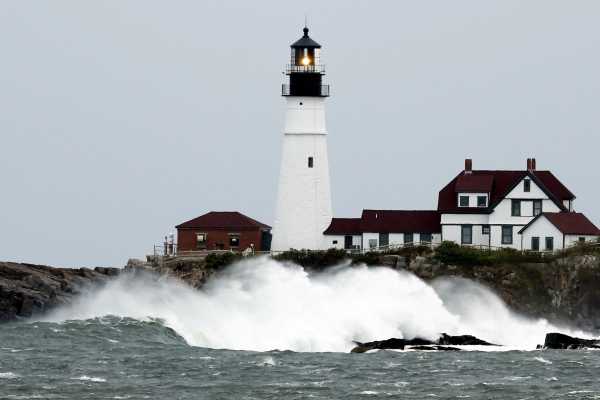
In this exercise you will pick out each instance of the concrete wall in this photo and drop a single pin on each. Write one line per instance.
(542, 228)
(571, 240)
(340, 239)
(398, 239)
(304, 197)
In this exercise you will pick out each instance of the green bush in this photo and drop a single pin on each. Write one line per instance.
(313, 259)
(451, 253)
(370, 258)
(216, 261)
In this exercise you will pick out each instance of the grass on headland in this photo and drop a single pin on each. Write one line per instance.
(448, 253)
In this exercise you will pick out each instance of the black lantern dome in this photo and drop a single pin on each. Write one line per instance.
(305, 70)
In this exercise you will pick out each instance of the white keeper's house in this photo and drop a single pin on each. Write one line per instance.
(524, 209)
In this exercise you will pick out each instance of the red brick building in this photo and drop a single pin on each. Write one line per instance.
(226, 230)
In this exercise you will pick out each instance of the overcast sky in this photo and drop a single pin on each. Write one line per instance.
(121, 119)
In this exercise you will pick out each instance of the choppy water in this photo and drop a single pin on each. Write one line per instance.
(162, 345)
(121, 358)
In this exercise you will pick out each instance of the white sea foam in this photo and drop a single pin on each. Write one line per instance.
(261, 304)
(90, 378)
(268, 361)
(8, 375)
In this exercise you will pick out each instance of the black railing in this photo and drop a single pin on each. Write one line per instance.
(315, 69)
(323, 92)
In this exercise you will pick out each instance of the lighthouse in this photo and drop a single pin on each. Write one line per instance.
(304, 195)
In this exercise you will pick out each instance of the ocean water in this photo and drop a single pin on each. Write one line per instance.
(264, 330)
(123, 358)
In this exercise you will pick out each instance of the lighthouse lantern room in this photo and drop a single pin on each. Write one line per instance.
(304, 197)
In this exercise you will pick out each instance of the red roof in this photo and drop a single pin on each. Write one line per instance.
(400, 221)
(344, 226)
(216, 220)
(502, 182)
(570, 223)
(470, 183)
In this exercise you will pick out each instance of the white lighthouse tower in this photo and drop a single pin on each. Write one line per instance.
(304, 196)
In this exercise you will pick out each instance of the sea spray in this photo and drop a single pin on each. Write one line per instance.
(261, 304)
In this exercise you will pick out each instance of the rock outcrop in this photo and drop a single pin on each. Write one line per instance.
(560, 341)
(27, 290)
(563, 291)
(441, 343)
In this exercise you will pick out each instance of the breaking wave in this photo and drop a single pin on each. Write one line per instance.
(261, 304)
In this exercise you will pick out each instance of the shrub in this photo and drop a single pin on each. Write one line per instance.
(313, 259)
(369, 258)
(216, 261)
(454, 254)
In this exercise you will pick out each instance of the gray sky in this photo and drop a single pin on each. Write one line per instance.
(120, 119)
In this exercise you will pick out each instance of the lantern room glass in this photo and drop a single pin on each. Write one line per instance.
(306, 57)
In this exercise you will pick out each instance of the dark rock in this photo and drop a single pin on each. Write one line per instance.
(561, 341)
(389, 260)
(27, 290)
(463, 340)
(438, 348)
(418, 343)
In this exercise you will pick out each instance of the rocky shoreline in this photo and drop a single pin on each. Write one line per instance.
(28, 290)
(563, 290)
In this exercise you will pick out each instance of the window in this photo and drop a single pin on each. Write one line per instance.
(348, 242)
(549, 243)
(200, 240)
(234, 240)
(425, 238)
(516, 208)
(466, 234)
(481, 201)
(384, 239)
(537, 207)
(311, 162)
(535, 243)
(463, 201)
(372, 243)
(408, 238)
(334, 242)
(507, 234)
(581, 239)
(527, 185)
(485, 229)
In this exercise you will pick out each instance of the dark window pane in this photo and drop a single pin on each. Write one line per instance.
(466, 234)
(537, 207)
(384, 239)
(507, 234)
(549, 243)
(464, 201)
(485, 229)
(200, 240)
(516, 208)
(535, 243)
(527, 185)
(234, 240)
(426, 238)
(311, 162)
(347, 242)
(481, 201)
(408, 238)
(581, 239)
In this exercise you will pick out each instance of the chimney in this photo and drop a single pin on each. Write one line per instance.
(533, 166)
(529, 164)
(468, 166)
